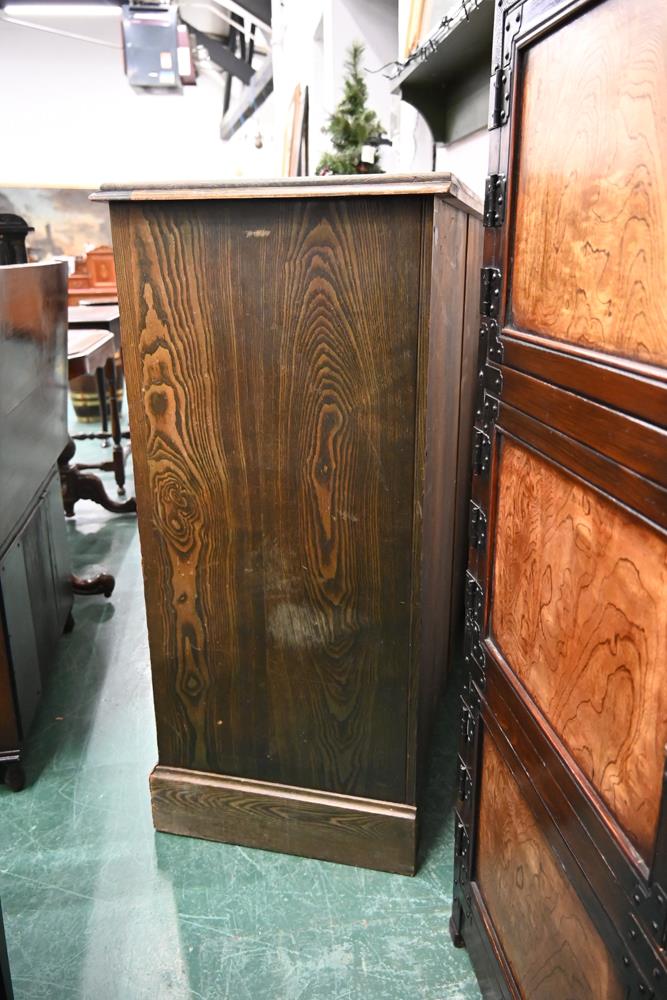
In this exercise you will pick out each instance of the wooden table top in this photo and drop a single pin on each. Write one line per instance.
(92, 316)
(88, 350)
(99, 300)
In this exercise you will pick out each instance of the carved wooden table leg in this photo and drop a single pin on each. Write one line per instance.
(103, 583)
(78, 485)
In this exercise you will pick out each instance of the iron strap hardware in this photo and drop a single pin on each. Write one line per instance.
(464, 780)
(468, 722)
(641, 960)
(481, 452)
(477, 525)
(494, 200)
(651, 905)
(474, 602)
(488, 410)
(491, 280)
(501, 77)
(461, 837)
(490, 343)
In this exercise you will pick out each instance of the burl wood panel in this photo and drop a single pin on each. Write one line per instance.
(272, 383)
(549, 940)
(579, 612)
(591, 209)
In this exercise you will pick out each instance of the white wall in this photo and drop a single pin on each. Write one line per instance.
(69, 118)
(310, 43)
(468, 158)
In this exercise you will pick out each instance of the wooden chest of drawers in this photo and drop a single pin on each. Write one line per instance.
(300, 360)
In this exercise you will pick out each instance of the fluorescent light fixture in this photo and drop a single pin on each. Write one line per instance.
(24, 10)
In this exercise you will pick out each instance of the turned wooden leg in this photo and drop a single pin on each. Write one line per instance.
(102, 396)
(78, 485)
(118, 453)
(103, 583)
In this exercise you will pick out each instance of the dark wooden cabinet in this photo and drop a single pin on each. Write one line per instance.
(300, 361)
(35, 586)
(6, 990)
(561, 840)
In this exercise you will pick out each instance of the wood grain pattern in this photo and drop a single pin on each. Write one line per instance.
(624, 439)
(591, 208)
(370, 185)
(442, 406)
(579, 613)
(272, 391)
(274, 817)
(550, 942)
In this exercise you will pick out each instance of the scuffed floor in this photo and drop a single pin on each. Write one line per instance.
(99, 906)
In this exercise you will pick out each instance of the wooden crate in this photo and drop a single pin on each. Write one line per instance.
(300, 361)
(561, 874)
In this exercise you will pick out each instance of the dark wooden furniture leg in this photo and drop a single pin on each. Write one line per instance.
(118, 453)
(78, 485)
(6, 992)
(102, 394)
(103, 583)
(15, 776)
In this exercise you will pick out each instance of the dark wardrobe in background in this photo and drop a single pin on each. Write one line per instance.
(561, 839)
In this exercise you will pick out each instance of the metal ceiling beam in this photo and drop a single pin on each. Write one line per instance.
(222, 55)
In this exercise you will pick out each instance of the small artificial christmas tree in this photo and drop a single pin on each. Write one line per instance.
(355, 130)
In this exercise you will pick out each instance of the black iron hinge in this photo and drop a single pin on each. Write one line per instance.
(501, 78)
(487, 409)
(481, 452)
(499, 110)
(461, 863)
(494, 200)
(642, 962)
(467, 721)
(651, 906)
(464, 781)
(489, 297)
(461, 838)
(477, 525)
(473, 602)
(490, 344)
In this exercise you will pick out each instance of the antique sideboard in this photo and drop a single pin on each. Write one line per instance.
(35, 572)
(561, 830)
(300, 361)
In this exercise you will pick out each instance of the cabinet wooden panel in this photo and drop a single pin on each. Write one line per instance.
(293, 357)
(35, 600)
(591, 216)
(552, 946)
(579, 612)
(35, 587)
(566, 618)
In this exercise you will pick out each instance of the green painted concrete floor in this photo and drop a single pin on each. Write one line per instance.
(97, 905)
